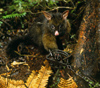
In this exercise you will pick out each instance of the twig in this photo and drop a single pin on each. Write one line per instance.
(51, 9)
(70, 1)
(78, 15)
(24, 55)
(6, 23)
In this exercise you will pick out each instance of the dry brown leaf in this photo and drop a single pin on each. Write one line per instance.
(40, 80)
(2, 82)
(30, 78)
(8, 83)
(70, 83)
(69, 48)
(34, 80)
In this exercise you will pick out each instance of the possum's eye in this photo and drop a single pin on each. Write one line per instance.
(52, 27)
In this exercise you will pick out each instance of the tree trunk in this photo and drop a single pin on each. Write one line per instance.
(87, 50)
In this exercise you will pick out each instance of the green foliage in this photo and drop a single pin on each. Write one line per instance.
(1, 23)
(73, 36)
(96, 85)
(14, 15)
(22, 6)
(19, 8)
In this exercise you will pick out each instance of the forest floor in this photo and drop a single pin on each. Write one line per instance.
(16, 69)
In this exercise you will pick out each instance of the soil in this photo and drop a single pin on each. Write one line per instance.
(26, 64)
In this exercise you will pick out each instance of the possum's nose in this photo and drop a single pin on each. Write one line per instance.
(56, 33)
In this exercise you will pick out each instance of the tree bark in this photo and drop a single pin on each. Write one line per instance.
(87, 50)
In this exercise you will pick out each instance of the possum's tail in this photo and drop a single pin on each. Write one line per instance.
(13, 46)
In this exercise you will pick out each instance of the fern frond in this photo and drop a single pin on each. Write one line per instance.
(70, 83)
(14, 15)
(8, 83)
(40, 80)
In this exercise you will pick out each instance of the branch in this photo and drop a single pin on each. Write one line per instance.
(51, 9)
(6, 23)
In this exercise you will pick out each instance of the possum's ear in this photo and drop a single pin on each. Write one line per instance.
(47, 15)
(65, 14)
